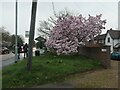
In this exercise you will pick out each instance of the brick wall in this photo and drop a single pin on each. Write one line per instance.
(100, 53)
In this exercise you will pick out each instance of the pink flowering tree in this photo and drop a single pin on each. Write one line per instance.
(70, 31)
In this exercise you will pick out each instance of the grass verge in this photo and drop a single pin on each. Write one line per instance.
(46, 69)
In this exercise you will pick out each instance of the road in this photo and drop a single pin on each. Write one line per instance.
(8, 59)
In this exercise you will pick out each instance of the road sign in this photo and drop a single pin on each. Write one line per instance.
(26, 34)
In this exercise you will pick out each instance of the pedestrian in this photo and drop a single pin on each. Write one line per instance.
(19, 50)
(25, 48)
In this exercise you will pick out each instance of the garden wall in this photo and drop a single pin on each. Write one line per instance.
(100, 53)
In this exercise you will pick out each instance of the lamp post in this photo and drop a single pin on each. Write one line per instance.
(16, 50)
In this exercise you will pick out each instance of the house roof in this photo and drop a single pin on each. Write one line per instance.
(115, 34)
(117, 45)
(40, 39)
(100, 37)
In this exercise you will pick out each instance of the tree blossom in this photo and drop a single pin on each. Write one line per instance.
(69, 31)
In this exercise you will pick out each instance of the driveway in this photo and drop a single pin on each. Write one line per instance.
(105, 78)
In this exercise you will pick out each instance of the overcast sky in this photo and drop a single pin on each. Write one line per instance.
(109, 11)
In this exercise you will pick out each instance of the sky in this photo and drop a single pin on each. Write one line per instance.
(108, 9)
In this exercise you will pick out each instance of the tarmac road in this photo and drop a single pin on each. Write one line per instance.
(7, 59)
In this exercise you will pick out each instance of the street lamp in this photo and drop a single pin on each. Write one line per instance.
(16, 50)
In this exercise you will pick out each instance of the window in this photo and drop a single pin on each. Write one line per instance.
(108, 40)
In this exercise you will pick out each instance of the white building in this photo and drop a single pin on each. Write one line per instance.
(111, 38)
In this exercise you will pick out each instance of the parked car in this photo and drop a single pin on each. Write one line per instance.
(5, 50)
(115, 56)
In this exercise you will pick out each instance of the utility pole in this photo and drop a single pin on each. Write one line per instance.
(31, 35)
(16, 50)
(53, 9)
(118, 29)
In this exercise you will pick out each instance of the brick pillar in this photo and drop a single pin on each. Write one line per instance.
(105, 56)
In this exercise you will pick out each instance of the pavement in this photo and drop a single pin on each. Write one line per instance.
(57, 85)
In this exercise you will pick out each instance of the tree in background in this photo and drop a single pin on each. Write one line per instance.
(5, 35)
(69, 31)
(20, 39)
(8, 40)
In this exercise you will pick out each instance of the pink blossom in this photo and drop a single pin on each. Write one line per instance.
(70, 31)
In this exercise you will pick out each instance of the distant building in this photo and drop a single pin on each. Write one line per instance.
(40, 42)
(111, 38)
(40, 39)
(100, 39)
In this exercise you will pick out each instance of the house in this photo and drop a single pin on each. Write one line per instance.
(40, 42)
(100, 39)
(111, 38)
(40, 39)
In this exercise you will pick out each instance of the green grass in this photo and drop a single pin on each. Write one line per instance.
(46, 69)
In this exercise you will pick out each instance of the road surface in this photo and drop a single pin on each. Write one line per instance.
(7, 59)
